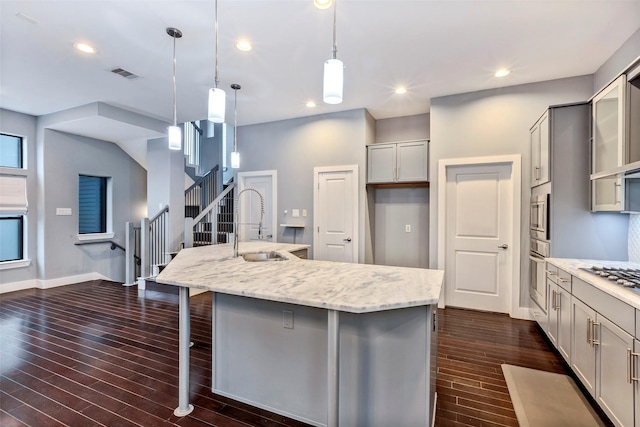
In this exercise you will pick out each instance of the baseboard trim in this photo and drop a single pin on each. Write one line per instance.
(51, 283)
(523, 313)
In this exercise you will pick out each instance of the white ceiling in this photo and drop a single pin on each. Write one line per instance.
(435, 48)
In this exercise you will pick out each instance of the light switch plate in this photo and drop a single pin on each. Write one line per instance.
(287, 319)
(304, 212)
(407, 228)
(295, 213)
(63, 211)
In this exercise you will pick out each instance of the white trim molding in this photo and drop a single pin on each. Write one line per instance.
(19, 263)
(515, 160)
(51, 283)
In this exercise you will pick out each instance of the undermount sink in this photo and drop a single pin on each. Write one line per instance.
(263, 256)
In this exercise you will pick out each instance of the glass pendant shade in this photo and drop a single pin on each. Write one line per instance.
(235, 159)
(175, 137)
(333, 80)
(217, 99)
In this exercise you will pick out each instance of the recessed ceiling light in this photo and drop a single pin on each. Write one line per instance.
(311, 104)
(322, 4)
(401, 90)
(244, 45)
(84, 47)
(501, 73)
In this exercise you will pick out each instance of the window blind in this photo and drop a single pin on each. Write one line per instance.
(92, 203)
(13, 194)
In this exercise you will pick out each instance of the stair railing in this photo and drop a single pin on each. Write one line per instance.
(133, 254)
(154, 241)
(202, 192)
(214, 224)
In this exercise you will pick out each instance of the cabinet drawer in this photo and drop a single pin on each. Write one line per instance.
(564, 280)
(552, 272)
(618, 312)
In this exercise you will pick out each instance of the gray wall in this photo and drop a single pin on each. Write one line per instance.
(394, 208)
(25, 126)
(406, 128)
(62, 158)
(294, 147)
(490, 123)
(622, 58)
(165, 182)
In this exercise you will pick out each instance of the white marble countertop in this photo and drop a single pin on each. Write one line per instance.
(355, 288)
(630, 296)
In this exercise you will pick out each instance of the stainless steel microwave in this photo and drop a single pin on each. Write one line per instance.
(539, 217)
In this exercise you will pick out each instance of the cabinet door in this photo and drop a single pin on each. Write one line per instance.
(535, 154)
(381, 163)
(634, 374)
(412, 161)
(608, 133)
(607, 194)
(614, 393)
(583, 355)
(552, 312)
(564, 323)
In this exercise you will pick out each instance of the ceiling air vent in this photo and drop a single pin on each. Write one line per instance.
(124, 73)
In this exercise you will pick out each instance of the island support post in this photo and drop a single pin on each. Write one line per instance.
(184, 407)
(333, 367)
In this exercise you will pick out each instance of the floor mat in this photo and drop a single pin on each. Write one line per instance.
(545, 399)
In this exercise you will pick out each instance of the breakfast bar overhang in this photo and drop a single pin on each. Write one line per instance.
(322, 342)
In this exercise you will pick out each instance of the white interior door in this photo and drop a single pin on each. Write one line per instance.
(266, 183)
(336, 214)
(479, 241)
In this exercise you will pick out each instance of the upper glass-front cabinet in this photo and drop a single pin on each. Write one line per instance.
(609, 127)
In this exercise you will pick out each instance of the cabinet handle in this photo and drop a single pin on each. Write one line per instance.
(594, 341)
(630, 371)
(615, 192)
(563, 280)
(551, 273)
(589, 339)
(554, 300)
(537, 173)
(558, 300)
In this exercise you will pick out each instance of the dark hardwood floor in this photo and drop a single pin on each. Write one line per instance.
(99, 354)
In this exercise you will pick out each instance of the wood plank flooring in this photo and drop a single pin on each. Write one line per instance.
(99, 354)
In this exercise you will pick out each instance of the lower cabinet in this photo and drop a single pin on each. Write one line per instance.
(600, 357)
(594, 332)
(614, 388)
(559, 311)
(583, 352)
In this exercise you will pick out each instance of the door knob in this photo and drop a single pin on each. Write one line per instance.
(348, 239)
(504, 246)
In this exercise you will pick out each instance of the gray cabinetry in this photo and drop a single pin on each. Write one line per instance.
(559, 312)
(614, 393)
(540, 160)
(583, 352)
(397, 162)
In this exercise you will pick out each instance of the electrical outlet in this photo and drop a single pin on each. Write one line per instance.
(304, 212)
(63, 211)
(287, 319)
(407, 228)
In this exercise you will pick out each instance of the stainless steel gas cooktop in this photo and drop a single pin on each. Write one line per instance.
(627, 277)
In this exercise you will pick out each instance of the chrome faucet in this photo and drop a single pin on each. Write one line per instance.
(235, 219)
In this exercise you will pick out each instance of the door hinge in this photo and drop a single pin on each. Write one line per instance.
(318, 229)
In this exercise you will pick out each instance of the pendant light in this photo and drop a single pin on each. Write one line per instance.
(217, 97)
(333, 71)
(175, 132)
(235, 155)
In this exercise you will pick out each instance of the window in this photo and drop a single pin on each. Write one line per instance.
(92, 204)
(10, 151)
(11, 238)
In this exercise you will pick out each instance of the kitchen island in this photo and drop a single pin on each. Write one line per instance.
(323, 342)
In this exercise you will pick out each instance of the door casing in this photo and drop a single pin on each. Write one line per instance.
(355, 199)
(274, 195)
(515, 310)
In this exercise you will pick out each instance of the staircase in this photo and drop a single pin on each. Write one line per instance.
(214, 224)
